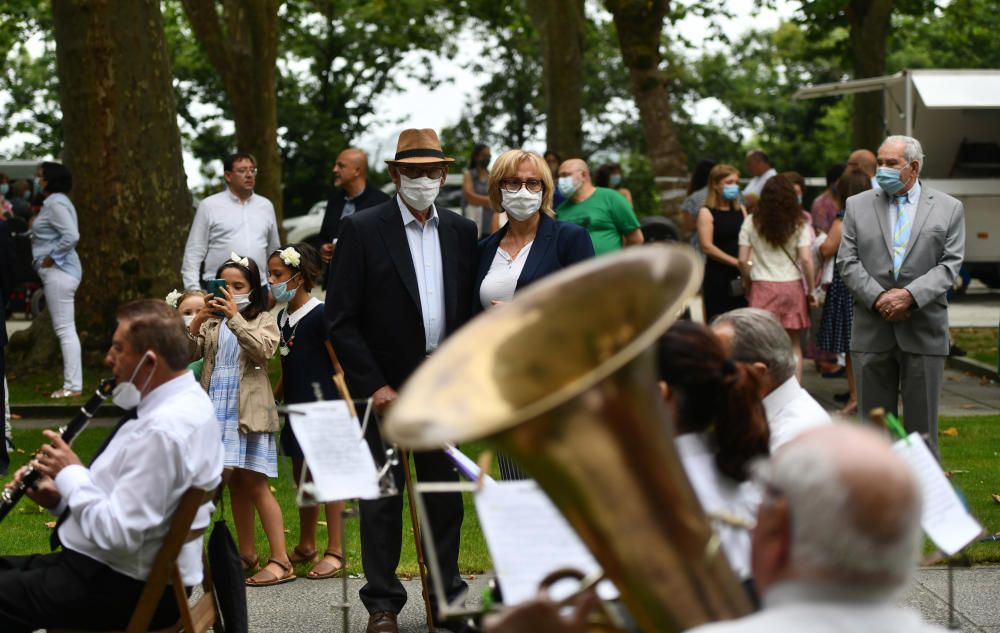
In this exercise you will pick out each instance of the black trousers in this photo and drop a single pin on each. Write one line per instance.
(382, 530)
(4, 457)
(66, 589)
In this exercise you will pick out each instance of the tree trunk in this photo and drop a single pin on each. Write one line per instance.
(640, 27)
(123, 148)
(869, 27)
(560, 25)
(241, 42)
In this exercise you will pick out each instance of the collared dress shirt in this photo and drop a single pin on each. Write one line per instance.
(797, 606)
(121, 507)
(425, 250)
(225, 224)
(55, 232)
(790, 410)
(756, 184)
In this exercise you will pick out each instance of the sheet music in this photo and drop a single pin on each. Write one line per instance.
(945, 520)
(337, 456)
(528, 539)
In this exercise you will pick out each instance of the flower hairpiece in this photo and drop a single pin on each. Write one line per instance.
(290, 256)
(242, 261)
(173, 298)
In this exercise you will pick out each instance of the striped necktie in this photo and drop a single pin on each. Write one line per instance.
(900, 233)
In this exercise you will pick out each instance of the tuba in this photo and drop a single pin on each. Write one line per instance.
(563, 379)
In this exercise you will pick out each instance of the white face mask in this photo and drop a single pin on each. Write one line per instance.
(521, 205)
(419, 193)
(241, 301)
(188, 318)
(126, 395)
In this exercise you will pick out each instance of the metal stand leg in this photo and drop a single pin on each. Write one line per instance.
(415, 522)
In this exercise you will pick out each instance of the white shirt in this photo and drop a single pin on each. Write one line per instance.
(500, 281)
(225, 224)
(790, 410)
(425, 250)
(121, 507)
(720, 495)
(771, 263)
(799, 607)
(294, 317)
(756, 183)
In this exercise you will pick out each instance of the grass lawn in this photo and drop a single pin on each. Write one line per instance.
(973, 456)
(979, 342)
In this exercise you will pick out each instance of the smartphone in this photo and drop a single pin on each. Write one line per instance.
(215, 286)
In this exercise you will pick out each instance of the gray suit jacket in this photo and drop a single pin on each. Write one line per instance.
(930, 265)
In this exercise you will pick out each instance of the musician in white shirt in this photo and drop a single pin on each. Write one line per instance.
(120, 508)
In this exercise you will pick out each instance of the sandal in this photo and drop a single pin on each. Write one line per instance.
(298, 556)
(249, 563)
(272, 579)
(333, 572)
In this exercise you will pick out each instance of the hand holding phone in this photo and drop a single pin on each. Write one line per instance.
(218, 289)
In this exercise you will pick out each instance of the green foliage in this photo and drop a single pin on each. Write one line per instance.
(961, 34)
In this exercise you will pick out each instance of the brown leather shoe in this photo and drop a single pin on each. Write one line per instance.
(382, 622)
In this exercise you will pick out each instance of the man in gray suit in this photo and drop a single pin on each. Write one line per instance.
(901, 249)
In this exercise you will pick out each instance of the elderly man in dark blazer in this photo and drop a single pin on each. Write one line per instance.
(901, 250)
(401, 281)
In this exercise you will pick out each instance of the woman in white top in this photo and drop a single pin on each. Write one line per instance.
(775, 255)
(720, 428)
(530, 245)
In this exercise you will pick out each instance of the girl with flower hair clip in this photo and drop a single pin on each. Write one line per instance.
(188, 304)
(237, 347)
(292, 273)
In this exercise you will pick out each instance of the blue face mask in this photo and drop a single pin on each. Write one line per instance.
(4, 188)
(567, 187)
(889, 179)
(614, 180)
(730, 192)
(281, 292)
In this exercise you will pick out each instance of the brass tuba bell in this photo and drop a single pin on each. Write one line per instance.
(563, 379)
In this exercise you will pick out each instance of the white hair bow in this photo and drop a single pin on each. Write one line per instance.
(173, 297)
(242, 261)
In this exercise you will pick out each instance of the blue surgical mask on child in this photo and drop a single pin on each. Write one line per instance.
(281, 292)
(730, 192)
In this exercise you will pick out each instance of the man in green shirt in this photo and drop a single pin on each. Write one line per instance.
(605, 214)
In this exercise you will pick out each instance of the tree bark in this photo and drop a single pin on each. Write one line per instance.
(241, 42)
(560, 25)
(869, 31)
(640, 28)
(123, 148)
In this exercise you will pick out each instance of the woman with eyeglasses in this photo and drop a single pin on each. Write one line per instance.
(531, 245)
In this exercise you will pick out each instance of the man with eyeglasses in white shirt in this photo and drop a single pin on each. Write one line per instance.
(236, 220)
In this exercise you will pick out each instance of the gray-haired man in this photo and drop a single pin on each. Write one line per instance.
(901, 250)
(756, 337)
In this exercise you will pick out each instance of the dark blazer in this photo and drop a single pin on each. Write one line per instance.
(369, 197)
(7, 264)
(556, 246)
(373, 305)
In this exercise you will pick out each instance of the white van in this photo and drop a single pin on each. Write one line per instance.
(956, 116)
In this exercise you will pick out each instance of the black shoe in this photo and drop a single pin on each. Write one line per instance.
(955, 350)
(842, 397)
(840, 373)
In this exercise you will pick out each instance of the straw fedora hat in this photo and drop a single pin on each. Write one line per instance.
(419, 146)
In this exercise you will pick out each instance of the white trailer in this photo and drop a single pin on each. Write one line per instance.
(956, 116)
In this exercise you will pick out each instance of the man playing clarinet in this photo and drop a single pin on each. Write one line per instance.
(114, 514)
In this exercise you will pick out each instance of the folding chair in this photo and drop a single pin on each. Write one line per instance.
(204, 613)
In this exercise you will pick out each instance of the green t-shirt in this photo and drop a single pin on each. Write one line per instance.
(606, 215)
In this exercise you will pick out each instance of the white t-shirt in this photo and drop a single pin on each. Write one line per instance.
(771, 263)
(501, 280)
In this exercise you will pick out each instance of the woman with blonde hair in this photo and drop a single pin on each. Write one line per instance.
(719, 222)
(776, 241)
(531, 245)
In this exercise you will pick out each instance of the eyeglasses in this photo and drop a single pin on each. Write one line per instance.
(512, 185)
(245, 171)
(412, 171)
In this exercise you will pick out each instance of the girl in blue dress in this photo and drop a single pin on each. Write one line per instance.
(305, 366)
(237, 337)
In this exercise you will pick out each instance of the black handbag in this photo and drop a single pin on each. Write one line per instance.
(229, 579)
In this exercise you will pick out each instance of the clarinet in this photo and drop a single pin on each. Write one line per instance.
(10, 496)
